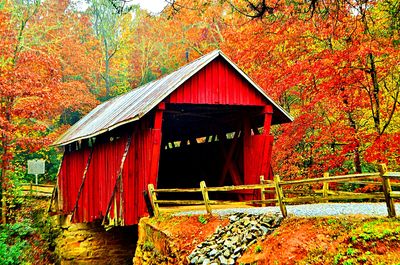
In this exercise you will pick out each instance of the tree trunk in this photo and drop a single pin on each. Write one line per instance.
(357, 159)
(356, 151)
(375, 94)
(107, 68)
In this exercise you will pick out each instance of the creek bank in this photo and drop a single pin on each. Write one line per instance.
(200, 239)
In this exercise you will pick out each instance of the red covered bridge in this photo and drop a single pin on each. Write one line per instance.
(206, 121)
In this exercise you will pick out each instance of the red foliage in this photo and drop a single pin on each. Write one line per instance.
(33, 88)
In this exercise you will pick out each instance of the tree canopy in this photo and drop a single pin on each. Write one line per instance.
(333, 64)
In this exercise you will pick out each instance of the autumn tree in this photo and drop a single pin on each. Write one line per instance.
(106, 19)
(332, 64)
(32, 91)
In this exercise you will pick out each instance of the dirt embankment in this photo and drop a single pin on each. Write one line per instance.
(325, 240)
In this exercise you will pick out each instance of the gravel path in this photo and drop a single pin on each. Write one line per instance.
(322, 209)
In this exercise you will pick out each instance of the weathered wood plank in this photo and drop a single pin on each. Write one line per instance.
(179, 202)
(214, 202)
(280, 195)
(325, 187)
(387, 189)
(249, 202)
(177, 190)
(216, 189)
(333, 198)
(37, 188)
(153, 200)
(24, 185)
(262, 190)
(395, 175)
(204, 192)
(395, 194)
(241, 187)
(36, 194)
(330, 179)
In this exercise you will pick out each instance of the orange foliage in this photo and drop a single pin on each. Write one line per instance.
(34, 83)
(336, 72)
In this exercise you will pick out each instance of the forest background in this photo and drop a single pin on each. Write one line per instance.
(333, 64)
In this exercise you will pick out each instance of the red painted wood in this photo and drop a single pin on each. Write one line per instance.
(267, 119)
(217, 83)
(140, 168)
(257, 158)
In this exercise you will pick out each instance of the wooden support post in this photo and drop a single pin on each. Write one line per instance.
(279, 195)
(82, 184)
(325, 187)
(267, 119)
(148, 203)
(119, 179)
(387, 189)
(262, 190)
(115, 219)
(204, 192)
(156, 134)
(153, 200)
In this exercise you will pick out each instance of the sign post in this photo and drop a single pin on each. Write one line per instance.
(36, 167)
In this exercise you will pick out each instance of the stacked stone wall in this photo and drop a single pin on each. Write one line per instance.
(92, 244)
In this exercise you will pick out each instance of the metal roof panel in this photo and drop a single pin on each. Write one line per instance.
(135, 104)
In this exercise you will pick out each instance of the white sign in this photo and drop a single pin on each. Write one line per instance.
(36, 166)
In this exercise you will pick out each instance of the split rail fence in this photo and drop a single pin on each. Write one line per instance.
(38, 190)
(288, 191)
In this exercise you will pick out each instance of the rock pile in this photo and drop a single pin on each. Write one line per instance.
(228, 243)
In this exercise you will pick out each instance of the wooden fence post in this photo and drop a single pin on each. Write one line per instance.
(153, 200)
(325, 187)
(204, 192)
(387, 189)
(279, 195)
(262, 190)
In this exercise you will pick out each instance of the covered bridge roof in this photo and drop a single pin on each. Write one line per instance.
(133, 105)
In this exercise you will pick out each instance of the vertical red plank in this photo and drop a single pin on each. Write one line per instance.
(221, 78)
(217, 83)
(225, 86)
(203, 88)
(199, 87)
(267, 118)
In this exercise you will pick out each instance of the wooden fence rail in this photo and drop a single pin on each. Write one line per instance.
(38, 190)
(285, 192)
(204, 190)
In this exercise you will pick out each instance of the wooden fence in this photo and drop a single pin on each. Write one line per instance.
(286, 192)
(38, 190)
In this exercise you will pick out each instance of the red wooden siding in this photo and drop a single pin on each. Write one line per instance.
(257, 157)
(102, 175)
(217, 83)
